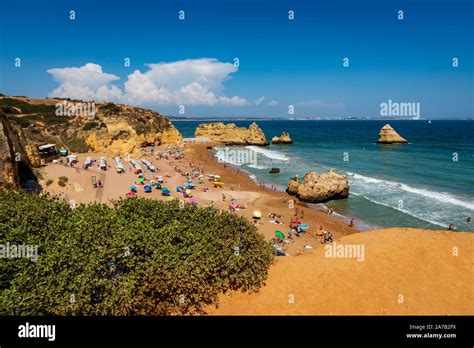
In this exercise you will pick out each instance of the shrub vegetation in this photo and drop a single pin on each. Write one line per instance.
(135, 257)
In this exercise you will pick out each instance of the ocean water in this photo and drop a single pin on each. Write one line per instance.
(428, 183)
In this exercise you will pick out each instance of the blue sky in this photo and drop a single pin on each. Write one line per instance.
(296, 62)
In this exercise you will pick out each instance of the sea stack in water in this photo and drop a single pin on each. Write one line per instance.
(319, 188)
(284, 138)
(274, 170)
(230, 134)
(388, 135)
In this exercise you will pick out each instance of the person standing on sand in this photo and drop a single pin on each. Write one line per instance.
(468, 220)
(352, 223)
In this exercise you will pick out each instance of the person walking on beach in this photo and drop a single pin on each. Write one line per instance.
(352, 223)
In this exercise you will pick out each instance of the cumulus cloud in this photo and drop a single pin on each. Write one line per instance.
(187, 82)
(83, 82)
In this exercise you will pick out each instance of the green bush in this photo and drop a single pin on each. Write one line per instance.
(27, 108)
(110, 108)
(62, 181)
(90, 125)
(136, 257)
(76, 144)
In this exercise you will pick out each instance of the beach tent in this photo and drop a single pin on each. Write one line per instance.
(303, 226)
(169, 199)
(133, 188)
(257, 214)
(179, 188)
(147, 188)
(141, 180)
(279, 234)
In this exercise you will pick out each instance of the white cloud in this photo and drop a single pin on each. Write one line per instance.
(259, 100)
(273, 102)
(187, 82)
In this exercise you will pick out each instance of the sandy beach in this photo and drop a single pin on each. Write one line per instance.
(237, 186)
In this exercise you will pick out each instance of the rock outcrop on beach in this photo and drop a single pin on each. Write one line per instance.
(114, 129)
(284, 138)
(388, 135)
(319, 188)
(17, 156)
(274, 170)
(230, 134)
(293, 185)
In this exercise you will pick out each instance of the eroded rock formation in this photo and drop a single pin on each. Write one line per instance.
(284, 138)
(114, 129)
(319, 188)
(17, 156)
(388, 135)
(230, 134)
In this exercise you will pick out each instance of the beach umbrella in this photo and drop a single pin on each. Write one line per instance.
(179, 188)
(147, 188)
(303, 226)
(278, 247)
(296, 222)
(188, 192)
(257, 214)
(193, 201)
(279, 234)
(170, 198)
(130, 194)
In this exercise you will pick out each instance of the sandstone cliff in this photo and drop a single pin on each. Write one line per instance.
(319, 188)
(388, 135)
(284, 138)
(17, 156)
(230, 134)
(114, 129)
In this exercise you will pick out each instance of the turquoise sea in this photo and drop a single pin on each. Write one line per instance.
(428, 183)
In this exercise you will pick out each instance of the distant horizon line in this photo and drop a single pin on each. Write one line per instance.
(349, 118)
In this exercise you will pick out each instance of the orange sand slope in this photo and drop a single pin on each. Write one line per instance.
(404, 272)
